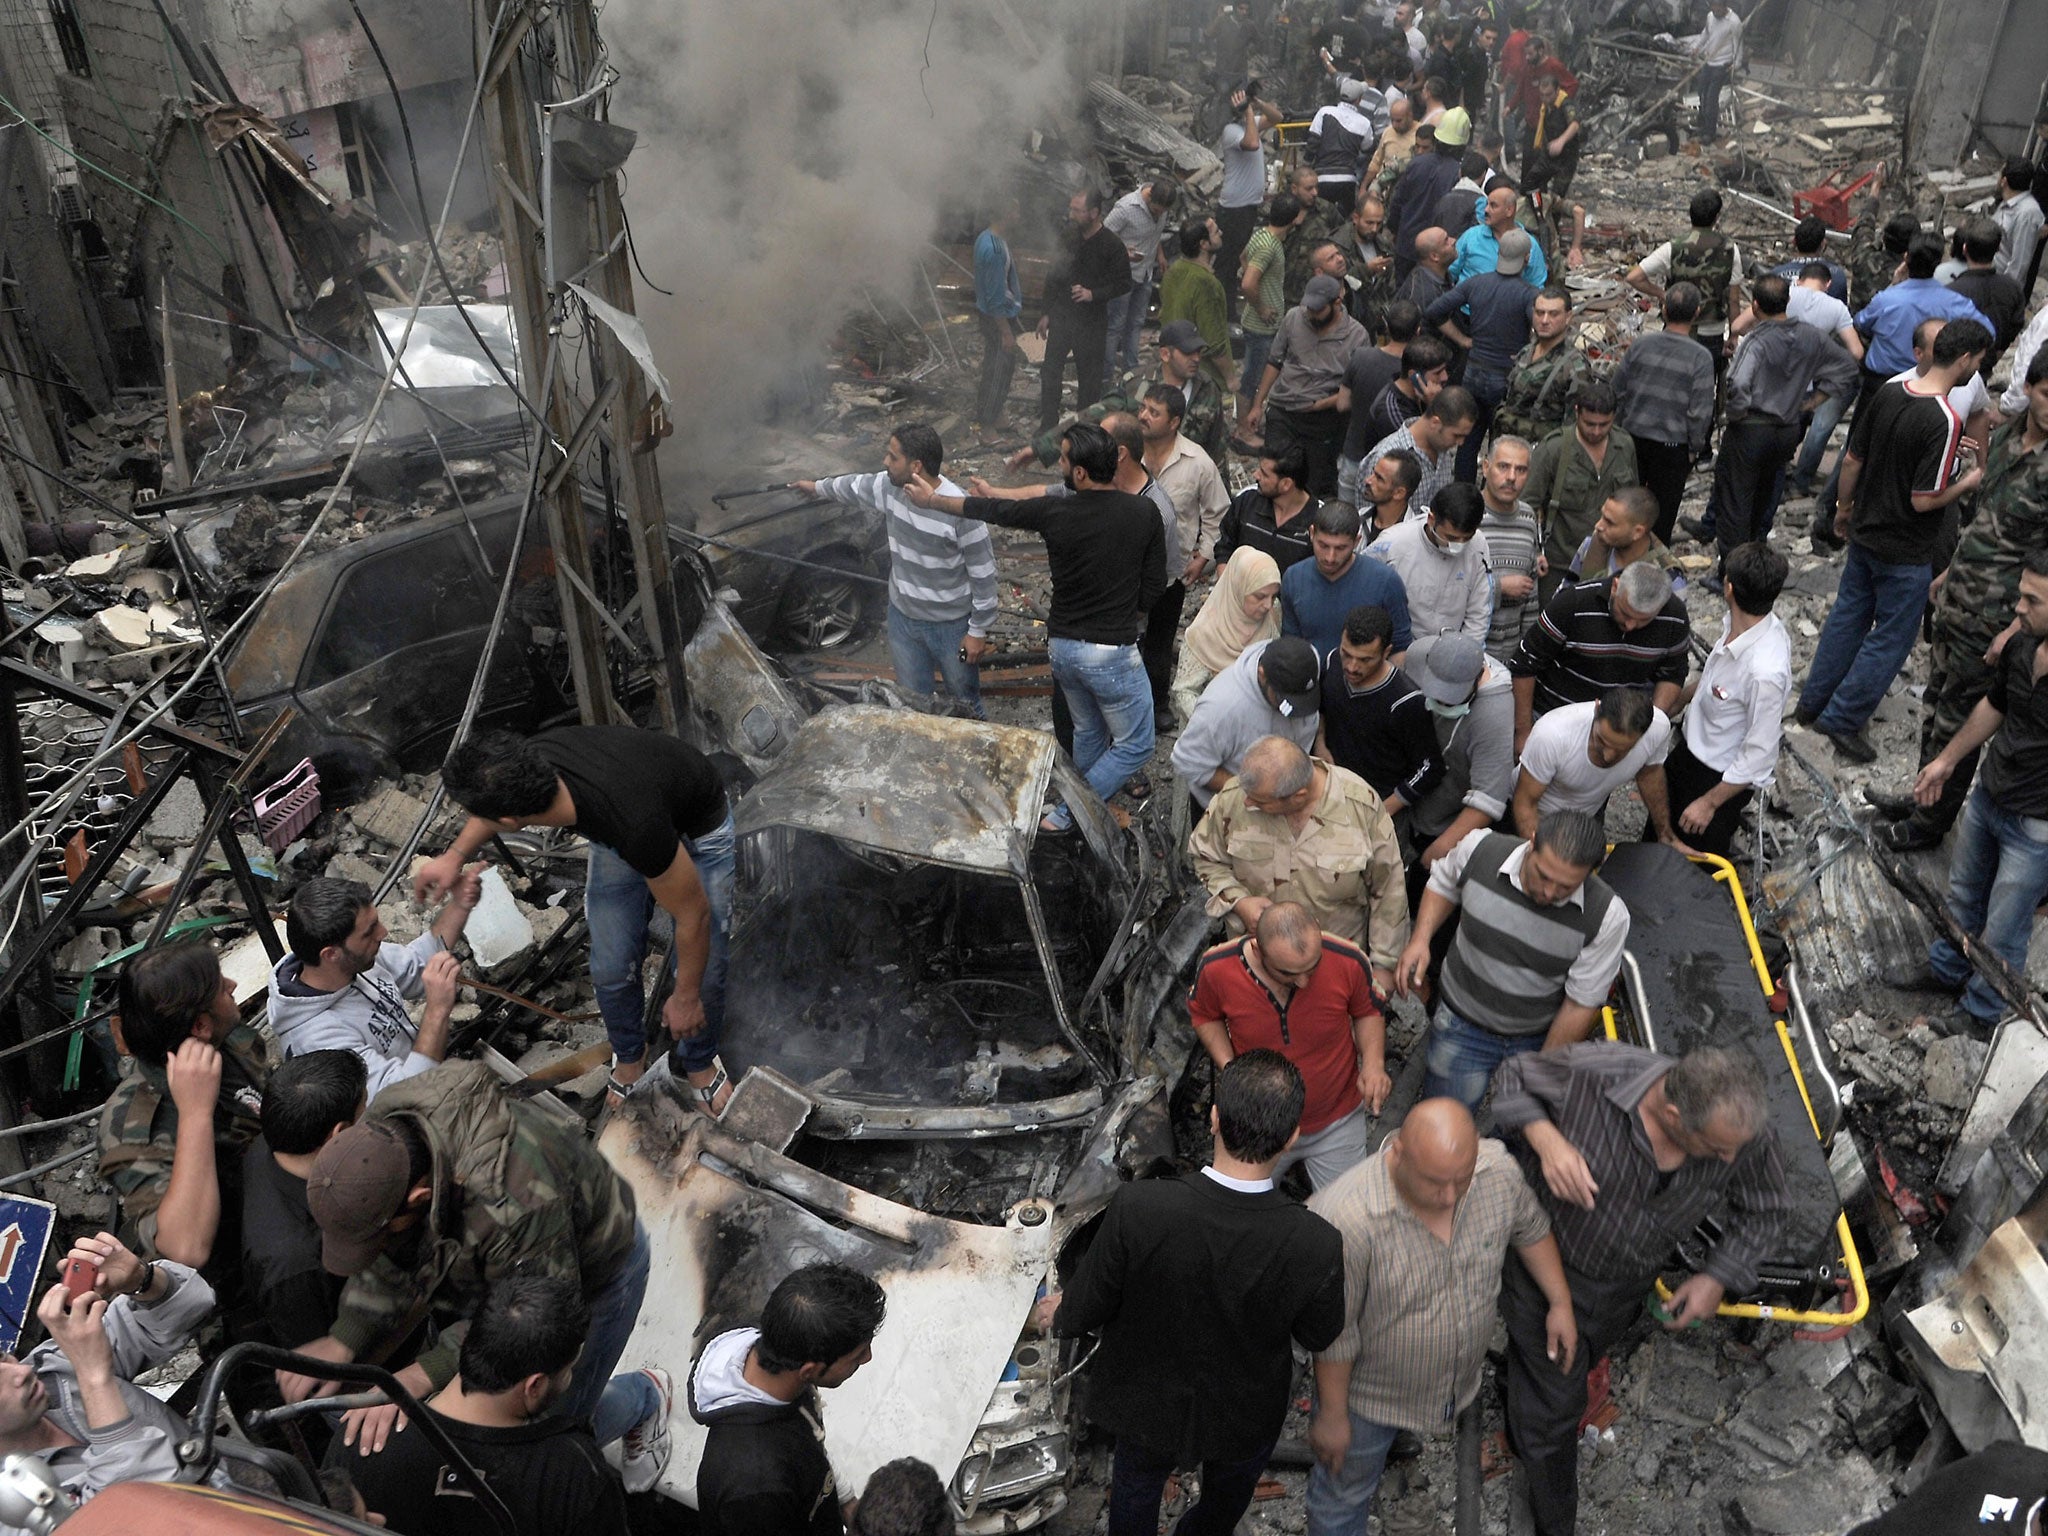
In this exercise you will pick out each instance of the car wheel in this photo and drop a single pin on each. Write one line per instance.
(823, 610)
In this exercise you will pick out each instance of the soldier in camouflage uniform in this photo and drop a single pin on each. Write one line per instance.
(196, 1069)
(1321, 221)
(507, 1189)
(1874, 255)
(1541, 383)
(1974, 607)
(1202, 424)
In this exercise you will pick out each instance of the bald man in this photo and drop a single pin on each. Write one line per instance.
(1427, 1222)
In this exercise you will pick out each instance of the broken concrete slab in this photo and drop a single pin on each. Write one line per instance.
(179, 816)
(390, 817)
(1824, 1499)
(1784, 1420)
(1952, 1068)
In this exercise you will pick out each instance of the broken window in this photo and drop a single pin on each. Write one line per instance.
(420, 592)
(70, 37)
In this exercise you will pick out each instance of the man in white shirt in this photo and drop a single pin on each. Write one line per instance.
(2032, 339)
(1138, 219)
(1718, 47)
(2019, 217)
(1578, 755)
(1440, 557)
(1734, 724)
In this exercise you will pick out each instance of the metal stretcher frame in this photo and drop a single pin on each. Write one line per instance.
(1852, 1262)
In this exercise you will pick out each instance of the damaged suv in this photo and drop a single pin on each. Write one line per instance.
(942, 1023)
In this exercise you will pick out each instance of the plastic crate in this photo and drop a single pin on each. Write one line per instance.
(288, 807)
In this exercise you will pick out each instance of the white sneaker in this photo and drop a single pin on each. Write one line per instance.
(644, 1452)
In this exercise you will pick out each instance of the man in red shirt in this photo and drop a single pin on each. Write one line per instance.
(1291, 988)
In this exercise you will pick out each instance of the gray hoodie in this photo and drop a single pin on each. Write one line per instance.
(1479, 758)
(368, 1016)
(1231, 715)
(143, 1446)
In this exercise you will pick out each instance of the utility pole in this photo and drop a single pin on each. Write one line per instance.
(524, 101)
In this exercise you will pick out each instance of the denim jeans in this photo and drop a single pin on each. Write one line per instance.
(1998, 876)
(627, 1400)
(1712, 78)
(998, 366)
(1137, 1481)
(1338, 1506)
(619, 907)
(1489, 388)
(613, 1312)
(1825, 419)
(1868, 636)
(1126, 320)
(1462, 1057)
(918, 648)
(1111, 701)
(1256, 345)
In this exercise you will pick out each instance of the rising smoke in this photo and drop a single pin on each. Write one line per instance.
(788, 156)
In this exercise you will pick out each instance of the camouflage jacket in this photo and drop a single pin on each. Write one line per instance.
(515, 1191)
(2010, 522)
(1540, 392)
(1324, 219)
(1202, 424)
(139, 1130)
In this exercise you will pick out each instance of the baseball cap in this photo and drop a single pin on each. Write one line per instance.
(1182, 336)
(357, 1184)
(1288, 665)
(1451, 668)
(1321, 291)
(1350, 89)
(1514, 252)
(1454, 127)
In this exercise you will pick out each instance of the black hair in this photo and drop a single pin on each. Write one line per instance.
(1175, 402)
(1258, 1105)
(497, 774)
(1981, 238)
(1092, 450)
(1628, 710)
(1408, 466)
(526, 1325)
(2019, 174)
(1091, 198)
(1638, 504)
(419, 1152)
(1923, 255)
(1755, 574)
(1367, 623)
(1473, 166)
(1899, 231)
(1558, 292)
(818, 1314)
(1425, 354)
(1596, 396)
(162, 993)
(1193, 237)
(1165, 191)
(1773, 293)
(2036, 562)
(1289, 461)
(1682, 303)
(1816, 272)
(1809, 235)
(920, 443)
(1705, 208)
(1338, 519)
(1453, 403)
(1459, 505)
(903, 1498)
(1437, 86)
(308, 1096)
(323, 913)
(1285, 209)
(1960, 338)
(1400, 320)
(2037, 370)
(1574, 836)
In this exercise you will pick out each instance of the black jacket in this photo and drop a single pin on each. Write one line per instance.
(1102, 266)
(764, 1471)
(1199, 1292)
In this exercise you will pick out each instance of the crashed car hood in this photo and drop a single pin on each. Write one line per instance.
(727, 1219)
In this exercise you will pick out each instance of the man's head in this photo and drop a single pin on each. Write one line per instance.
(1302, 183)
(1322, 299)
(1923, 255)
(310, 1099)
(1513, 254)
(1552, 314)
(1288, 943)
(1333, 536)
(1426, 365)
(1277, 777)
(1923, 341)
(1981, 237)
(1619, 720)
(1450, 675)
(1712, 1103)
(1326, 259)
(1128, 433)
(1446, 421)
(1368, 218)
(1160, 413)
(1705, 208)
(1960, 347)
(1637, 595)
(1399, 321)
(523, 1341)
(1753, 576)
(1258, 1107)
(2016, 177)
(497, 776)
(1772, 294)
(1432, 1158)
(2036, 385)
(172, 994)
(1281, 471)
(1627, 519)
(1454, 516)
(1084, 211)
(334, 923)
(1434, 248)
(1681, 304)
(1567, 847)
(1593, 410)
(1180, 350)
(1091, 456)
(820, 1324)
(1505, 471)
(1808, 236)
(1815, 275)
(1162, 196)
(1389, 484)
(368, 1185)
(1500, 209)
(1366, 645)
(914, 449)
(1199, 237)
(1436, 91)
(903, 1498)
(1899, 231)
(1284, 212)
(2032, 604)
(1487, 37)
(1288, 677)
(1400, 114)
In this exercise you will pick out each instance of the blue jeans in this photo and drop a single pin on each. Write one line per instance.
(1111, 701)
(1137, 1481)
(1868, 636)
(1126, 320)
(1825, 420)
(627, 1400)
(1998, 876)
(613, 1312)
(1462, 1057)
(1256, 346)
(1489, 389)
(618, 907)
(1338, 1506)
(920, 647)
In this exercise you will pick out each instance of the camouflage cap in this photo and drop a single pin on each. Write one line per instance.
(358, 1183)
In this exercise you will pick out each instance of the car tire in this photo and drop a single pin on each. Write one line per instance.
(829, 609)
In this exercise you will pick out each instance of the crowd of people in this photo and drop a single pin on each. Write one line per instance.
(1436, 632)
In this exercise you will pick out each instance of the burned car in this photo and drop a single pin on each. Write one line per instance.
(942, 1020)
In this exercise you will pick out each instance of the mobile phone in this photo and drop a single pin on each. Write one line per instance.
(80, 1276)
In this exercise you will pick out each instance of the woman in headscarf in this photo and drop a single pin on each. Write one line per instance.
(1243, 608)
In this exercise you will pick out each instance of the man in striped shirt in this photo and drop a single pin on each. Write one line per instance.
(1625, 630)
(942, 570)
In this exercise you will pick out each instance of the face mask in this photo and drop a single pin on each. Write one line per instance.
(1449, 711)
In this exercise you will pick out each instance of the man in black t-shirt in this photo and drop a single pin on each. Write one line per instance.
(1898, 473)
(660, 834)
(308, 1099)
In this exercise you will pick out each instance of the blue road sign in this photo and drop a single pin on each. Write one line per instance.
(24, 1237)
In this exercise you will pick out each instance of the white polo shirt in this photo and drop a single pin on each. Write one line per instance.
(1555, 755)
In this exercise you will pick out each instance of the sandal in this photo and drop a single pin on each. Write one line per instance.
(707, 1093)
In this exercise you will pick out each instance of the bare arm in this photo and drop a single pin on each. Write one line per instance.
(681, 894)
(1561, 1327)
(1574, 1022)
(1525, 711)
(189, 1218)
(1528, 795)
(1215, 1037)
(443, 873)
(1656, 792)
(1639, 280)
(1982, 725)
